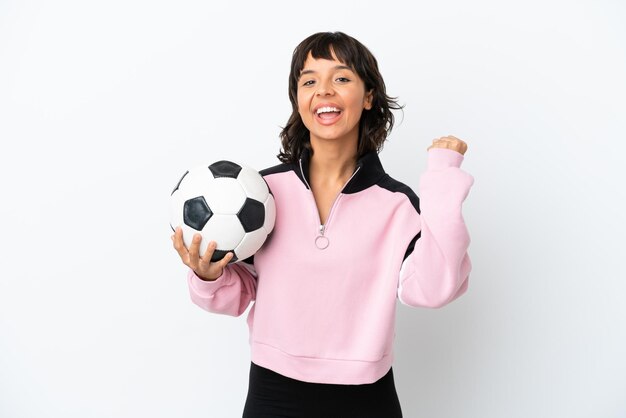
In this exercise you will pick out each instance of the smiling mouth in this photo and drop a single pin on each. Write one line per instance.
(328, 115)
(327, 118)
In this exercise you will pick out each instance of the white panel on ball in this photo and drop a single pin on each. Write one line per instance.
(270, 213)
(225, 195)
(253, 184)
(177, 200)
(225, 230)
(251, 243)
(196, 181)
(188, 233)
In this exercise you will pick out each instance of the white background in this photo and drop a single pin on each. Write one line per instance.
(104, 104)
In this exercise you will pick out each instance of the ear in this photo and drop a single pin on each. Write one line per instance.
(369, 99)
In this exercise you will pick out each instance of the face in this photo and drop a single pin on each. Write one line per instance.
(339, 92)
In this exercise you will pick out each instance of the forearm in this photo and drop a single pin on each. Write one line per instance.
(229, 294)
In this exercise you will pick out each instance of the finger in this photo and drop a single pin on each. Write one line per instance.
(194, 250)
(210, 249)
(456, 145)
(205, 261)
(174, 237)
(224, 261)
(441, 144)
(180, 246)
(454, 139)
(451, 140)
(177, 238)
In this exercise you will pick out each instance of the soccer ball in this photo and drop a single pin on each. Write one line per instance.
(225, 202)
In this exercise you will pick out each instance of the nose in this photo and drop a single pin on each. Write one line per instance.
(324, 88)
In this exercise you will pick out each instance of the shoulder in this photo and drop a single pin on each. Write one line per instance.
(279, 168)
(389, 183)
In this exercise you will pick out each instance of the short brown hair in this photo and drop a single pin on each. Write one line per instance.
(375, 124)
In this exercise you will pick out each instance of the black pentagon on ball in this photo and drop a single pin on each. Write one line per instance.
(225, 169)
(196, 213)
(252, 215)
(219, 254)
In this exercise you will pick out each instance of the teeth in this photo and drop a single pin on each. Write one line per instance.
(327, 109)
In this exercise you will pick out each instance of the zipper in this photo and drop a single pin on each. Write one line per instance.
(321, 240)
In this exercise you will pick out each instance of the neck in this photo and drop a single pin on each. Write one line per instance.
(332, 162)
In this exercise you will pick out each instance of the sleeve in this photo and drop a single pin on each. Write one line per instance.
(436, 270)
(229, 294)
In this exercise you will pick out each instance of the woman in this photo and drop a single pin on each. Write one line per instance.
(348, 242)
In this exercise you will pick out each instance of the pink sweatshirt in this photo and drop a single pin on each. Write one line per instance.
(325, 295)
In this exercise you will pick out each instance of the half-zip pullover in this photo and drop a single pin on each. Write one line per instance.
(321, 241)
(325, 294)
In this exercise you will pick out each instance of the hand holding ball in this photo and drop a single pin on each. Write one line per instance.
(225, 202)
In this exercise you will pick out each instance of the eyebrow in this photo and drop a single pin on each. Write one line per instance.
(337, 67)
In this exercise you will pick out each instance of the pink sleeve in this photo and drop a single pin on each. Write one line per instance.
(437, 271)
(230, 294)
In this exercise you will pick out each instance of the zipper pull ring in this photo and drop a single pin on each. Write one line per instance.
(321, 241)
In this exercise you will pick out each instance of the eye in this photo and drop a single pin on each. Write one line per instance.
(343, 78)
(306, 83)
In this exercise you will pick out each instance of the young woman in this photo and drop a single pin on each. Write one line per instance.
(348, 242)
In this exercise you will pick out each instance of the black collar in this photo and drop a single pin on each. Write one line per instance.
(368, 172)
